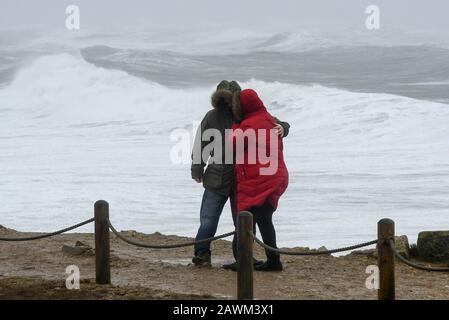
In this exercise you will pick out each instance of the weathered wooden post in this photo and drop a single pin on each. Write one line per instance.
(385, 260)
(245, 256)
(102, 250)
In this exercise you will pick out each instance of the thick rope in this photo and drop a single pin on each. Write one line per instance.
(310, 253)
(170, 246)
(412, 264)
(47, 235)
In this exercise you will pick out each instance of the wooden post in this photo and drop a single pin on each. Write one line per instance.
(102, 250)
(245, 256)
(385, 258)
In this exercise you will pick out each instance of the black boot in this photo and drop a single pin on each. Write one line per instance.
(273, 263)
(202, 260)
(234, 266)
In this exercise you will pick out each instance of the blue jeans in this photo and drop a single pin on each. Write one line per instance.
(211, 209)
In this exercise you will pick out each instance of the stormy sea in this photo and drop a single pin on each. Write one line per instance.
(90, 115)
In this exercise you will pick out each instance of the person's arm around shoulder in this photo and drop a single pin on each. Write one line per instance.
(282, 127)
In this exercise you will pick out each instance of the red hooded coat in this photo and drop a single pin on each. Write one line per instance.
(253, 186)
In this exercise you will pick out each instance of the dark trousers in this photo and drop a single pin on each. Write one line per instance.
(263, 218)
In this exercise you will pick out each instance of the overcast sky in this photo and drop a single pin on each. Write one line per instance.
(429, 14)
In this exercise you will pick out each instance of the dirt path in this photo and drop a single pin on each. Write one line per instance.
(37, 270)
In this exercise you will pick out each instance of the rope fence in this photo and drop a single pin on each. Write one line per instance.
(413, 264)
(387, 252)
(169, 246)
(48, 235)
(310, 253)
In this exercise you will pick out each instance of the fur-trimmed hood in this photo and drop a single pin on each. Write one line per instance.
(222, 98)
(228, 99)
(227, 95)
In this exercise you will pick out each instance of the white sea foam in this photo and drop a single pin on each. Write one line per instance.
(72, 133)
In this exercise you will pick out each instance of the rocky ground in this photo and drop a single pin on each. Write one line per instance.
(36, 270)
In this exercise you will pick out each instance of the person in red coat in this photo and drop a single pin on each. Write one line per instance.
(261, 175)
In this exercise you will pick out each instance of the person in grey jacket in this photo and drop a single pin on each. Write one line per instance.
(218, 178)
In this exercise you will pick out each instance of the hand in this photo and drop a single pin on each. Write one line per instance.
(199, 180)
(280, 130)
